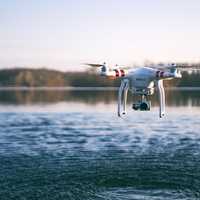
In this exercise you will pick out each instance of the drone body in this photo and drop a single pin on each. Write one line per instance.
(141, 82)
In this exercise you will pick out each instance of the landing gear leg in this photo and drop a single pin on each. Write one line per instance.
(123, 90)
(161, 93)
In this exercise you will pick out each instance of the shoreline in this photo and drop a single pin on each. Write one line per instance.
(69, 88)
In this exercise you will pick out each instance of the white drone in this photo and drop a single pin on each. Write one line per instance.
(142, 82)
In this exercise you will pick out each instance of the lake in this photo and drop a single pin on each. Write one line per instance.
(70, 144)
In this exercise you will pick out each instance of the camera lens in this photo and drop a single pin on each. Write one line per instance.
(143, 106)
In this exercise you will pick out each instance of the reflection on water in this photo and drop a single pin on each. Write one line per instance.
(47, 96)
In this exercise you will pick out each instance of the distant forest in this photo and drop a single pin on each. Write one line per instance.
(23, 77)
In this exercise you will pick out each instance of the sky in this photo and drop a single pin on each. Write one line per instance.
(64, 34)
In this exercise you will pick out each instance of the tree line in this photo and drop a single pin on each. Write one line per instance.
(24, 77)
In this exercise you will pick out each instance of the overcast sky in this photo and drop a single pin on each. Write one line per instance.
(63, 34)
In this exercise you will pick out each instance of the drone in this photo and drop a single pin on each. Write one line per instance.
(142, 82)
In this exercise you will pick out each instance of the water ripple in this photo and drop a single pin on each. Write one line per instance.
(98, 156)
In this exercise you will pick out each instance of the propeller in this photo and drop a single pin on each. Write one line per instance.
(182, 67)
(186, 67)
(111, 68)
(95, 65)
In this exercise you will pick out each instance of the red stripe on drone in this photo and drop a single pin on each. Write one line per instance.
(116, 73)
(122, 72)
(159, 74)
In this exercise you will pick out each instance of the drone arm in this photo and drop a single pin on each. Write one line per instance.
(108, 72)
(113, 72)
(173, 73)
(161, 93)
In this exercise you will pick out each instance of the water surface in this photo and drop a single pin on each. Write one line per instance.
(71, 145)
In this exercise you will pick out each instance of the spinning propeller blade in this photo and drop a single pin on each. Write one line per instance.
(95, 65)
(182, 67)
(111, 68)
